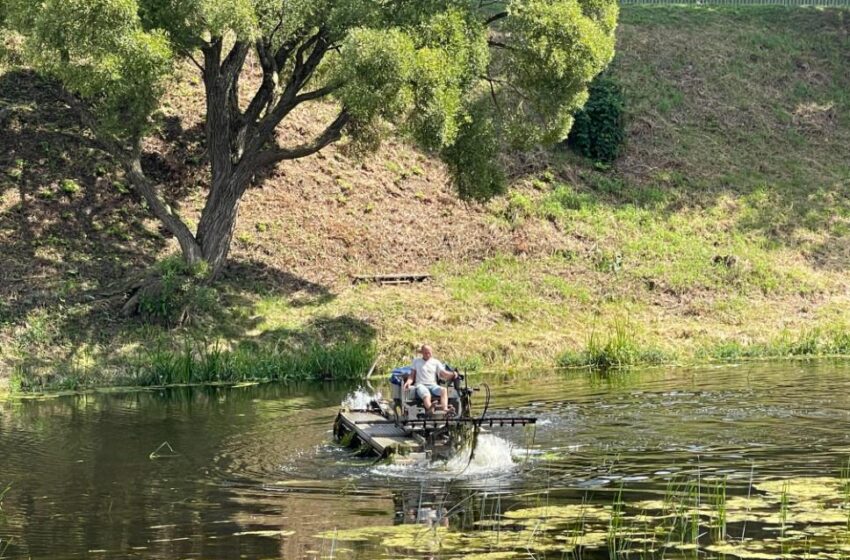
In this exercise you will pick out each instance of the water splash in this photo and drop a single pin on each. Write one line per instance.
(359, 399)
(493, 456)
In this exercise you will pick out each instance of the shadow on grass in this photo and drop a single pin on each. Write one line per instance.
(92, 346)
(70, 228)
(69, 225)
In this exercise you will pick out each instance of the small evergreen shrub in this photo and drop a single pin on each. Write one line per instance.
(599, 130)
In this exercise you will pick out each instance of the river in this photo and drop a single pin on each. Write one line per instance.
(745, 461)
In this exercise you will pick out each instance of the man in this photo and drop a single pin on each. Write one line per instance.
(424, 379)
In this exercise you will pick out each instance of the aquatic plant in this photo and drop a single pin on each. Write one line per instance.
(783, 507)
(201, 362)
(620, 528)
(718, 498)
(617, 350)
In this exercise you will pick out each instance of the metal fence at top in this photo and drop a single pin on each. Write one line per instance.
(817, 3)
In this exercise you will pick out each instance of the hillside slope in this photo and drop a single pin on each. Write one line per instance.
(721, 232)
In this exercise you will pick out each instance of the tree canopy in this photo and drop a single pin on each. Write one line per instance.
(463, 78)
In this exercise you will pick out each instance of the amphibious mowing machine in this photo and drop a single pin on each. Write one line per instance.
(401, 426)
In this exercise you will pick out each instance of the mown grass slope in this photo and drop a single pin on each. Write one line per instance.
(722, 232)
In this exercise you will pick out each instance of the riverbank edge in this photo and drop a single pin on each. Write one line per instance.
(616, 354)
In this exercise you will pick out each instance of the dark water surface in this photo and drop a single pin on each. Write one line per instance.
(254, 472)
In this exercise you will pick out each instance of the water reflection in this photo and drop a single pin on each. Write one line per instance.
(253, 470)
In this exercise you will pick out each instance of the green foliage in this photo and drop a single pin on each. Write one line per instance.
(70, 186)
(553, 206)
(519, 206)
(177, 287)
(99, 51)
(555, 49)
(562, 199)
(386, 56)
(452, 55)
(599, 131)
(435, 70)
(472, 157)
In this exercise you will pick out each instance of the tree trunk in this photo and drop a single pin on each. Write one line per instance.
(215, 229)
(218, 219)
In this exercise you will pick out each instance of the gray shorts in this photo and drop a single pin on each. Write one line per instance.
(423, 390)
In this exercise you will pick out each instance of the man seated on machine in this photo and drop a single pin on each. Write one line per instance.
(424, 379)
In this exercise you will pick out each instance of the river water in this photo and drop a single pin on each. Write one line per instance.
(744, 461)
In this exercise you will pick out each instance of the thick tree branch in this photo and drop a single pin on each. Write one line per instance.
(222, 104)
(232, 65)
(265, 92)
(316, 93)
(135, 175)
(285, 51)
(331, 134)
(302, 71)
(130, 160)
(495, 17)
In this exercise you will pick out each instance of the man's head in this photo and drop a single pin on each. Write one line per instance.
(426, 352)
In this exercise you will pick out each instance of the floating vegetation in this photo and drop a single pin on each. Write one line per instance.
(787, 518)
(271, 533)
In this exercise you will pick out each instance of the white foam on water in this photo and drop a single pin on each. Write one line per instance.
(358, 400)
(493, 456)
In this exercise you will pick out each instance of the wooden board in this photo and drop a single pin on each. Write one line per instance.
(390, 278)
(379, 435)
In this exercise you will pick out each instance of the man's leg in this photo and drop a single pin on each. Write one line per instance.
(444, 399)
(424, 393)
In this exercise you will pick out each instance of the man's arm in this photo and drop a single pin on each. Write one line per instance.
(446, 374)
(410, 378)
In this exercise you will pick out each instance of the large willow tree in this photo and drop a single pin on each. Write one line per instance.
(463, 78)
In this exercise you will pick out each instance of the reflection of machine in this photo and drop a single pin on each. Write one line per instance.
(402, 426)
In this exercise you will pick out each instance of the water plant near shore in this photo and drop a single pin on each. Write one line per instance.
(618, 349)
(204, 362)
(798, 508)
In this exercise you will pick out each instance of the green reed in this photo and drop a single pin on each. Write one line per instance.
(783, 509)
(619, 349)
(615, 525)
(718, 503)
(201, 362)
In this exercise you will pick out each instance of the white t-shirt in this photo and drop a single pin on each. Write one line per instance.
(426, 372)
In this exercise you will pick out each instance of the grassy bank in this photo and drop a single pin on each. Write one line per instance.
(721, 233)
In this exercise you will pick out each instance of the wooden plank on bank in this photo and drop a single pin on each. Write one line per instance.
(390, 278)
(373, 430)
